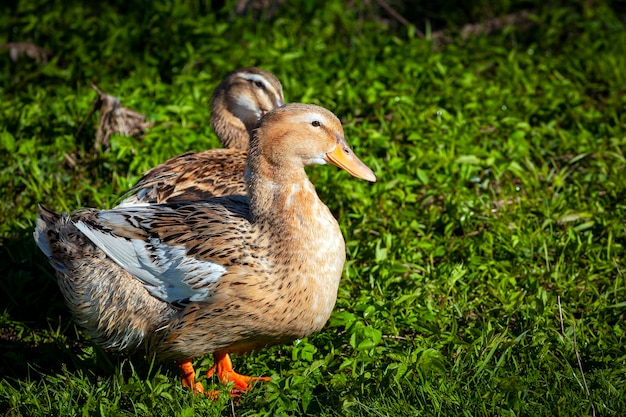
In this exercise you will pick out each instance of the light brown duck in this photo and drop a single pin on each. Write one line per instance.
(226, 275)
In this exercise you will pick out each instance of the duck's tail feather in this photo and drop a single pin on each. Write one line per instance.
(45, 232)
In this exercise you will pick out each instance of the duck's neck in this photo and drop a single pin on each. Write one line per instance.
(230, 130)
(281, 203)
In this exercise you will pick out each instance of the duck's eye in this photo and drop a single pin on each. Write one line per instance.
(315, 123)
(259, 84)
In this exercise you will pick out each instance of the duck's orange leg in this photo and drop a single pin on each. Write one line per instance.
(223, 366)
(188, 375)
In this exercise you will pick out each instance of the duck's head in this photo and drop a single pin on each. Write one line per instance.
(295, 135)
(245, 94)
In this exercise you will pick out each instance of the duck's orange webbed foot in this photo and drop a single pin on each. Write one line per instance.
(223, 366)
(188, 375)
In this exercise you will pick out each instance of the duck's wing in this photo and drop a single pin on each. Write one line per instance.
(193, 176)
(178, 251)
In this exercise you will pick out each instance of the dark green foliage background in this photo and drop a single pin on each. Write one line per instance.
(497, 222)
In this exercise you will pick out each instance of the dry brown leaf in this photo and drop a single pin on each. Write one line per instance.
(19, 49)
(116, 119)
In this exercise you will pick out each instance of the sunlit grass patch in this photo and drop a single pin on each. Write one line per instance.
(492, 240)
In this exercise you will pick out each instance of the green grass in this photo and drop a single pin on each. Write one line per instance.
(500, 205)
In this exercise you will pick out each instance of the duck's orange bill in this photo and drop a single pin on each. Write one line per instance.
(343, 157)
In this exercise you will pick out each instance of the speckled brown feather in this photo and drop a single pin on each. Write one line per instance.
(193, 176)
(110, 304)
(197, 176)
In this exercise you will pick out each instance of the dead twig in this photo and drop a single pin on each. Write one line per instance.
(71, 159)
(580, 363)
(393, 13)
